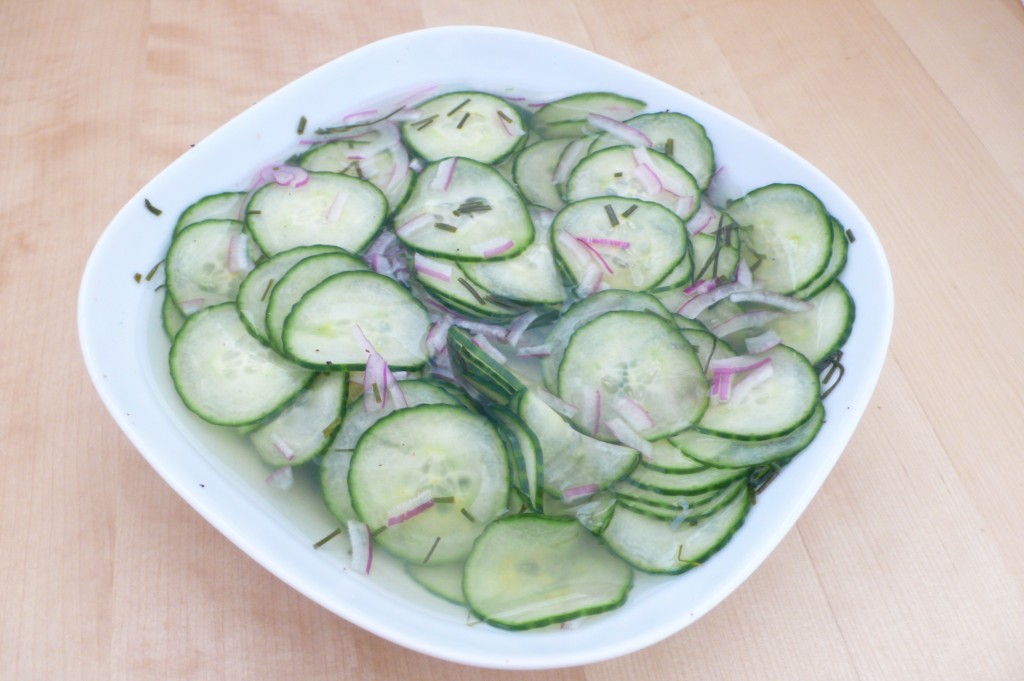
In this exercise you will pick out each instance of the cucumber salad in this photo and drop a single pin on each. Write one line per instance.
(528, 347)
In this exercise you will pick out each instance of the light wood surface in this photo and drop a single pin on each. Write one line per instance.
(908, 565)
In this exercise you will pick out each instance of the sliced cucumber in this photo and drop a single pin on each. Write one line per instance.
(534, 172)
(474, 125)
(772, 408)
(206, 263)
(222, 206)
(821, 330)
(307, 426)
(836, 263)
(324, 329)
(725, 452)
(330, 208)
(686, 482)
(687, 512)
(787, 231)
(637, 368)
(529, 571)
(633, 244)
(428, 480)
(528, 471)
(662, 546)
(225, 375)
(567, 117)
(441, 580)
(464, 210)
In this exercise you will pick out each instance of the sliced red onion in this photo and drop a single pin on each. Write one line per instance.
(286, 176)
(574, 247)
(648, 179)
(416, 96)
(414, 224)
(411, 508)
(442, 180)
(238, 254)
(737, 364)
(701, 286)
(744, 276)
(387, 240)
(532, 351)
(359, 117)
(597, 256)
(400, 169)
(590, 281)
(375, 384)
(493, 247)
(192, 305)
(694, 306)
(282, 478)
(519, 326)
(282, 447)
(626, 133)
(416, 165)
(753, 379)
(493, 330)
(512, 129)
(683, 205)
(437, 336)
(394, 390)
(334, 211)
(363, 341)
(771, 298)
(745, 320)
(630, 438)
(557, 403)
(763, 342)
(591, 409)
(407, 115)
(602, 241)
(703, 218)
(579, 491)
(361, 540)
(494, 353)
(432, 268)
(572, 154)
(635, 414)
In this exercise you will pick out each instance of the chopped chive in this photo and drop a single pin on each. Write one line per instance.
(376, 394)
(444, 500)
(849, 236)
(342, 449)
(466, 513)
(765, 481)
(344, 128)
(462, 122)
(833, 364)
(328, 538)
(378, 530)
(137, 277)
(502, 116)
(420, 125)
(469, 287)
(266, 291)
(612, 218)
(254, 212)
(459, 106)
(431, 551)
(151, 208)
(629, 211)
(491, 298)
(332, 426)
(302, 126)
(617, 175)
(152, 272)
(670, 146)
(446, 227)
(473, 205)
(160, 287)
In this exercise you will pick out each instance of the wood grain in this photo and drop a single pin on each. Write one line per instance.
(908, 564)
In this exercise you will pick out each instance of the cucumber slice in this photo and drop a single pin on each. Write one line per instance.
(836, 263)
(254, 293)
(480, 370)
(821, 330)
(464, 210)
(336, 461)
(636, 367)
(444, 581)
(687, 482)
(531, 278)
(428, 480)
(297, 281)
(473, 125)
(687, 512)
(529, 571)
(774, 407)
(330, 208)
(570, 458)
(534, 172)
(787, 231)
(582, 312)
(661, 546)
(171, 318)
(567, 117)
(633, 244)
(306, 427)
(222, 206)
(638, 173)
(528, 471)
(725, 452)
(676, 135)
(447, 281)
(206, 264)
(225, 375)
(323, 329)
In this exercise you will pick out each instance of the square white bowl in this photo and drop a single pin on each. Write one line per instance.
(125, 351)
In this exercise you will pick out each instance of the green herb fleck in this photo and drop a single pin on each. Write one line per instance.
(684, 561)
(380, 529)
(331, 427)
(328, 538)
(849, 236)
(345, 128)
(376, 393)
(462, 122)
(446, 227)
(152, 272)
(670, 146)
(151, 208)
(420, 125)
(302, 126)
(469, 287)
(444, 500)
(830, 366)
(137, 277)
(629, 211)
(468, 515)
(472, 205)
(503, 116)
(459, 106)
(431, 551)
(612, 218)
(266, 291)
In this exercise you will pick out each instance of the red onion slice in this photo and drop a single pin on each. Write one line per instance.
(626, 133)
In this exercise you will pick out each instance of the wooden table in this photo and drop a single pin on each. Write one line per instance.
(908, 565)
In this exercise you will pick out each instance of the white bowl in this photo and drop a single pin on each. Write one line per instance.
(125, 351)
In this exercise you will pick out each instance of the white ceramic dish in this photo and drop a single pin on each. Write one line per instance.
(125, 351)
